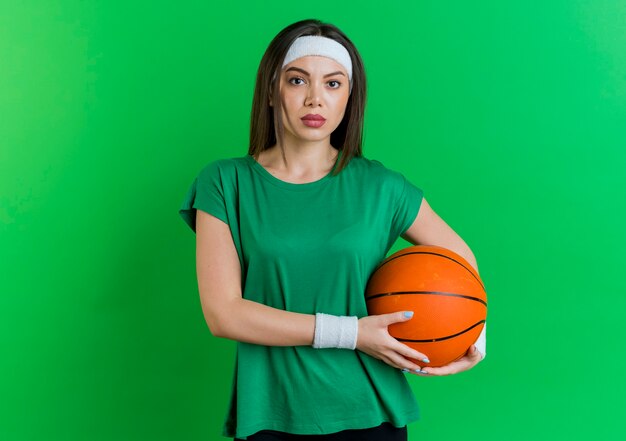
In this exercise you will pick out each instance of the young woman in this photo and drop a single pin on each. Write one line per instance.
(286, 239)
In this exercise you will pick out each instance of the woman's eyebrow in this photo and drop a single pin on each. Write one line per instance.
(306, 73)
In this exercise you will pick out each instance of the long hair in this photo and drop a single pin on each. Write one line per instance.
(266, 124)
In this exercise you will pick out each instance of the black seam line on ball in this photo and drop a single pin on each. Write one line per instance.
(432, 340)
(438, 293)
(440, 255)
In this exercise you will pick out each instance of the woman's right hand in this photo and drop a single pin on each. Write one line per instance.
(374, 339)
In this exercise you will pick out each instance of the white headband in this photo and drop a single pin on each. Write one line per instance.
(322, 46)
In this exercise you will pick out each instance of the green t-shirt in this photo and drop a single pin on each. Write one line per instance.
(309, 248)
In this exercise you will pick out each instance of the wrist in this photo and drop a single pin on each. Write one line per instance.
(333, 331)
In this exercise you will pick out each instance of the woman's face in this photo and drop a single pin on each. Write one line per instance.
(313, 87)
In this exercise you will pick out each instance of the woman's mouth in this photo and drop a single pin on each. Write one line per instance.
(312, 120)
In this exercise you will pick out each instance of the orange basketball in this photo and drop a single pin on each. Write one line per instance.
(444, 292)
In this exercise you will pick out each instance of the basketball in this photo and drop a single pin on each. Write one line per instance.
(445, 293)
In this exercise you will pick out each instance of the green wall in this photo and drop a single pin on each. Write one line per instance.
(511, 117)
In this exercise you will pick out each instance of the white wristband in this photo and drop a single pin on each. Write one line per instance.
(481, 343)
(333, 331)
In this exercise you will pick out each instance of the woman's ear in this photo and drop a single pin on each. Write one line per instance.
(271, 91)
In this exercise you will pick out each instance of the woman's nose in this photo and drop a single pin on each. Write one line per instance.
(313, 96)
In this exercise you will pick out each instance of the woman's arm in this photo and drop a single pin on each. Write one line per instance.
(429, 229)
(227, 314)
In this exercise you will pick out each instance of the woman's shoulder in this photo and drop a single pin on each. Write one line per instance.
(223, 166)
(373, 167)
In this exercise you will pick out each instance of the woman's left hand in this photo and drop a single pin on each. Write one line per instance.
(468, 361)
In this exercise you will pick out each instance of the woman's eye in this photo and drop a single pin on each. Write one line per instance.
(297, 81)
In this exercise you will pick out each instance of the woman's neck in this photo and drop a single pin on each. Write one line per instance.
(304, 163)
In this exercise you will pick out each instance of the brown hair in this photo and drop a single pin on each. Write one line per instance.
(266, 126)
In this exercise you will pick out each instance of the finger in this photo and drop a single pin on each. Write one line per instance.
(400, 316)
(415, 372)
(476, 354)
(390, 362)
(472, 351)
(410, 358)
(409, 352)
(444, 370)
(392, 359)
(472, 355)
(404, 363)
(449, 369)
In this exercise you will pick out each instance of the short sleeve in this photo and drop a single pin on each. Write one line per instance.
(205, 193)
(407, 206)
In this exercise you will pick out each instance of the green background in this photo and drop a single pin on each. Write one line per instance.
(509, 115)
